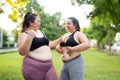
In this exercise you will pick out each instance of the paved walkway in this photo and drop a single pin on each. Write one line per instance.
(8, 50)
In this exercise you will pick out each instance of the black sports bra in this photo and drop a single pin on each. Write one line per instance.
(38, 42)
(70, 41)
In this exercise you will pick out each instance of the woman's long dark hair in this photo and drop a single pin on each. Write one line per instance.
(75, 22)
(29, 17)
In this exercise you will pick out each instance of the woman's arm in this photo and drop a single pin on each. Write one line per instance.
(24, 42)
(84, 43)
(53, 44)
(59, 49)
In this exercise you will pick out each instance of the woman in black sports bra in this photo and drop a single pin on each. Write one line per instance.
(34, 45)
(70, 49)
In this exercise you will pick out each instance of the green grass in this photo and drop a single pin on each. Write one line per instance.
(98, 65)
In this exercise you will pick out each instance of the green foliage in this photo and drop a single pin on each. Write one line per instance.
(103, 9)
(16, 34)
(101, 33)
(51, 27)
(49, 23)
(5, 37)
(16, 5)
(1, 4)
(105, 13)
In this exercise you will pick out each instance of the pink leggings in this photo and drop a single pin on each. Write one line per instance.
(33, 69)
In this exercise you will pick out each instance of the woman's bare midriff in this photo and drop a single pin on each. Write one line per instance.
(67, 56)
(43, 53)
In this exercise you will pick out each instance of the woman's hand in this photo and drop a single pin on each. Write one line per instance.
(69, 50)
(59, 49)
(31, 33)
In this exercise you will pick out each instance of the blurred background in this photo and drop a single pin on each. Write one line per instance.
(99, 20)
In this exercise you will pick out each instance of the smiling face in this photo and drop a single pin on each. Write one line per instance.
(69, 26)
(36, 24)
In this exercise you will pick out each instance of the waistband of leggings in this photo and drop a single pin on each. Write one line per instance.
(44, 61)
(71, 59)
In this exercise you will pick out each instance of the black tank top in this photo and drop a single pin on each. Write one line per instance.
(70, 41)
(38, 42)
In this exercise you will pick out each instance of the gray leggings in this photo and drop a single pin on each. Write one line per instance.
(73, 69)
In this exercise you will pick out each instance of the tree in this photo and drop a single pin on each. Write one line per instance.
(1, 4)
(104, 9)
(105, 13)
(16, 6)
(49, 23)
(99, 33)
(5, 37)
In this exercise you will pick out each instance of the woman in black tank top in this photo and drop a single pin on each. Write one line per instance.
(70, 47)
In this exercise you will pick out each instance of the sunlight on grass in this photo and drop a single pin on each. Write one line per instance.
(99, 65)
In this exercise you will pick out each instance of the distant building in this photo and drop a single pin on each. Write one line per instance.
(117, 38)
(1, 38)
(116, 46)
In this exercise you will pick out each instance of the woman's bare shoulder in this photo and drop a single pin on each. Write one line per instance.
(65, 35)
(79, 33)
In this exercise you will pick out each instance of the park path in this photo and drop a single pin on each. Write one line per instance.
(8, 50)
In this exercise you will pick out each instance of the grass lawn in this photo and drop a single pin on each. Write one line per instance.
(99, 66)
